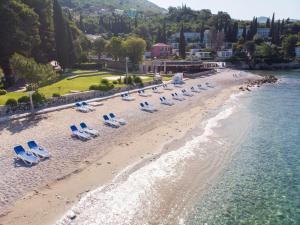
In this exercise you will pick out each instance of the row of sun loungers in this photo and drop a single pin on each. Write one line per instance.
(37, 153)
(33, 155)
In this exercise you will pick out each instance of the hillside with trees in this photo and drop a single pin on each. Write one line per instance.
(139, 5)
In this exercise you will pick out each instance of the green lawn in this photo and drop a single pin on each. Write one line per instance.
(67, 85)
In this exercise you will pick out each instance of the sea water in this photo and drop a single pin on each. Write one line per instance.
(262, 183)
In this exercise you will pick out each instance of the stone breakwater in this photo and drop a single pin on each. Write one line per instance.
(257, 83)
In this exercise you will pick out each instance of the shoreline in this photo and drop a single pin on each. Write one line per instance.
(57, 197)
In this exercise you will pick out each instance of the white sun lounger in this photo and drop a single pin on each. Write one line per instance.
(89, 107)
(165, 101)
(156, 91)
(27, 157)
(109, 122)
(79, 133)
(186, 93)
(209, 85)
(200, 87)
(89, 130)
(79, 107)
(195, 90)
(143, 94)
(177, 97)
(119, 120)
(37, 150)
(146, 108)
(166, 87)
(127, 97)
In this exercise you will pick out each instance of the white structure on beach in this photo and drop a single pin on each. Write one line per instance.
(177, 78)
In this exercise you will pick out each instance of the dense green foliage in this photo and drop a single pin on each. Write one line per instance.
(38, 29)
(31, 71)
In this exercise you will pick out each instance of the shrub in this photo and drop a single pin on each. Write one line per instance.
(115, 82)
(120, 81)
(137, 80)
(105, 82)
(101, 87)
(3, 92)
(24, 99)
(56, 95)
(105, 87)
(128, 80)
(11, 102)
(94, 87)
(38, 98)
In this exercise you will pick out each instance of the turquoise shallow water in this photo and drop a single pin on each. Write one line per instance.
(262, 183)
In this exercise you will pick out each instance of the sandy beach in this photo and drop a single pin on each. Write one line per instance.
(42, 194)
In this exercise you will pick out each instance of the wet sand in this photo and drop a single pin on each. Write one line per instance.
(43, 193)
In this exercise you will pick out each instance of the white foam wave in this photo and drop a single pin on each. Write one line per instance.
(133, 199)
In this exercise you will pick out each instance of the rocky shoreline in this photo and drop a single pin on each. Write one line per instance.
(270, 79)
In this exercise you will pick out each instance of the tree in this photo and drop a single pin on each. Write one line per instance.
(31, 71)
(19, 32)
(60, 35)
(115, 48)
(182, 44)
(250, 48)
(272, 30)
(135, 48)
(268, 23)
(99, 46)
(288, 46)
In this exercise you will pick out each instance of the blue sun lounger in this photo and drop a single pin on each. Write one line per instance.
(37, 150)
(88, 130)
(109, 122)
(28, 158)
(119, 120)
(79, 134)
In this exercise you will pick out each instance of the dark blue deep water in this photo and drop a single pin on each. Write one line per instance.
(262, 183)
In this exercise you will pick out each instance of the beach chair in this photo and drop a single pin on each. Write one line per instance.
(89, 107)
(200, 87)
(165, 101)
(146, 108)
(79, 107)
(119, 120)
(127, 97)
(154, 89)
(89, 130)
(143, 94)
(37, 150)
(109, 122)
(209, 85)
(195, 90)
(167, 88)
(178, 97)
(79, 133)
(27, 157)
(152, 107)
(186, 93)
